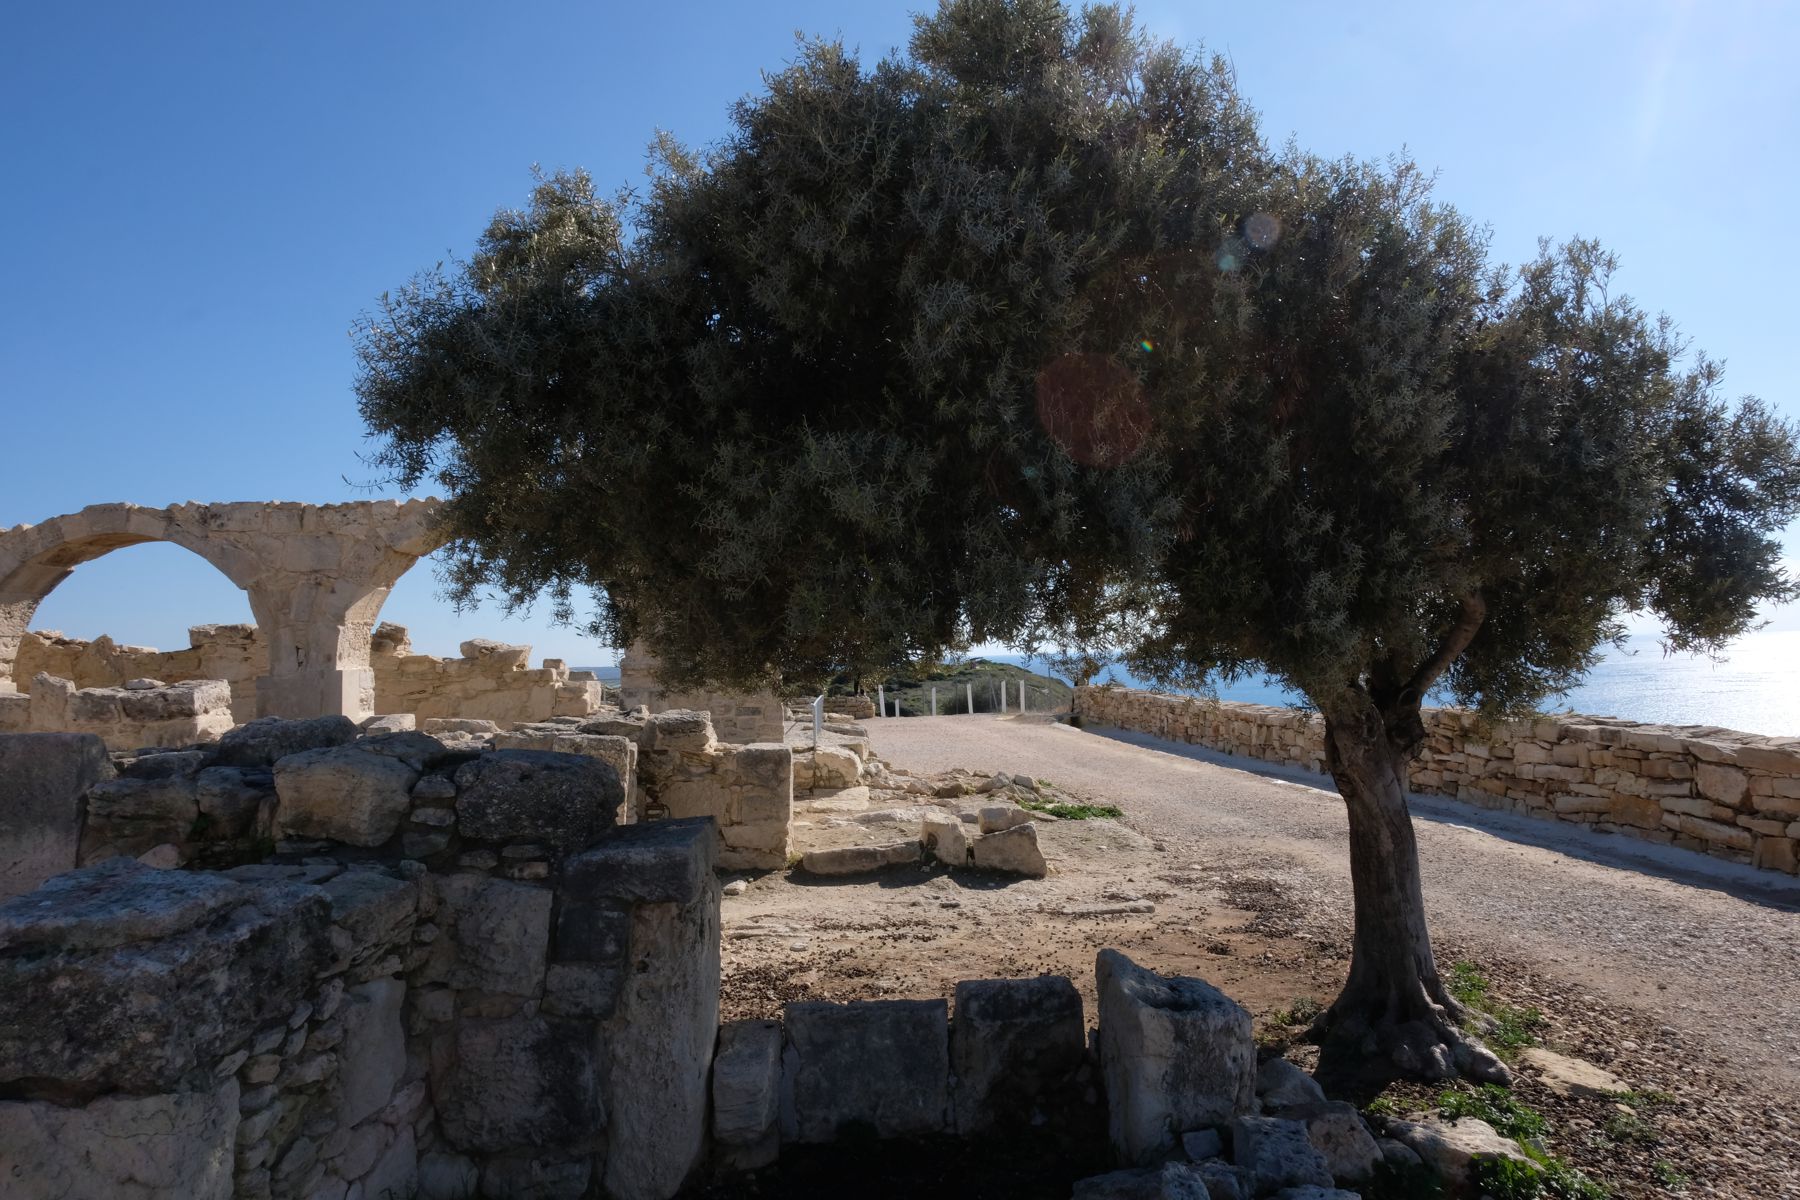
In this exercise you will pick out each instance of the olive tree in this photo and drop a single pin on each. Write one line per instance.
(1026, 334)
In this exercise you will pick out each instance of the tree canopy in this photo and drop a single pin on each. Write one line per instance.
(1027, 334)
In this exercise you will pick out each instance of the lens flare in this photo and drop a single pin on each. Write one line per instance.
(1092, 406)
(1146, 345)
(1262, 230)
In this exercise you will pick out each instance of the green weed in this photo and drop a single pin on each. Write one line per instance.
(1509, 1029)
(1495, 1105)
(1072, 812)
(1667, 1177)
(1304, 1011)
(1545, 1178)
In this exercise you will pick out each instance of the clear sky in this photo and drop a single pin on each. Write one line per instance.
(200, 198)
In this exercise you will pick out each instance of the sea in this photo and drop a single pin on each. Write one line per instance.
(1754, 688)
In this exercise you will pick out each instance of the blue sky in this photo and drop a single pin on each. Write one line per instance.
(200, 198)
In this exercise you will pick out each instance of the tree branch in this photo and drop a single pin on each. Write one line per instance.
(1474, 612)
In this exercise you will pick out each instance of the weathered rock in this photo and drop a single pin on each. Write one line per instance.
(1337, 1132)
(528, 1177)
(1014, 851)
(678, 729)
(662, 862)
(342, 793)
(1202, 1144)
(1275, 1153)
(499, 935)
(1170, 1181)
(42, 779)
(389, 723)
(946, 838)
(1015, 1042)
(376, 908)
(373, 1055)
(231, 799)
(120, 976)
(835, 768)
(1572, 1078)
(131, 815)
(447, 1177)
(996, 818)
(1451, 1147)
(396, 1172)
(420, 751)
(666, 1022)
(474, 726)
(1314, 1193)
(1223, 1181)
(1281, 1085)
(855, 860)
(565, 800)
(1176, 1052)
(883, 1065)
(515, 1083)
(746, 1091)
(263, 742)
(121, 1147)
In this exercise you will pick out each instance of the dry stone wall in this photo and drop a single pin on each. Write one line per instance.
(144, 712)
(233, 653)
(1725, 793)
(736, 717)
(454, 977)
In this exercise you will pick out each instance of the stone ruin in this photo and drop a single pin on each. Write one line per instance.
(312, 960)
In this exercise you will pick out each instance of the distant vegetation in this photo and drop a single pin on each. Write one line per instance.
(986, 676)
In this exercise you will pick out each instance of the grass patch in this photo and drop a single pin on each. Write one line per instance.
(1667, 1177)
(1072, 812)
(1644, 1102)
(1546, 1177)
(1382, 1106)
(1495, 1105)
(1508, 1029)
(1629, 1127)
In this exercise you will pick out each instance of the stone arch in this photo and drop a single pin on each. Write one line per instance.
(315, 576)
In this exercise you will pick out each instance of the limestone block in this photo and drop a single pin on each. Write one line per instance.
(121, 976)
(995, 818)
(835, 767)
(676, 730)
(396, 1172)
(536, 1177)
(1014, 1043)
(499, 935)
(1451, 1147)
(390, 723)
(122, 1147)
(662, 862)
(516, 1083)
(42, 779)
(663, 1030)
(1572, 1078)
(262, 742)
(1276, 1153)
(373, 1054)
(469, 725)
(1281, 1085)
(1176, 1052)
(1337, 1132)
(342, 793)
(1725, 785)
(746, 1090)
(855, 860)
(230, 799)
(1171, 1181)
(1014, 851)
(878, 1064)
(565, 800)
(446, 1177)
(947, 839)
(496, 656)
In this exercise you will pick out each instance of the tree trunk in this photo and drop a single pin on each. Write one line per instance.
(1394, 1005)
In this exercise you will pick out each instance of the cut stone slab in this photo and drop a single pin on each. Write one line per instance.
(565, 800)
(658, 862)
(516, 1083)
(1176, 1052)
(1276, 1153)
(1451, 1147)
(342, 793)
(1014, 851)
(122, 1147)
(746, 1091)
(834, 767)
(373, 1054)
(43, 777)
(1171, 1181)
(1337, 1132)
(1014, 1043)
(996, 818)
(124, 977)
(857, 860)
(1572, 1078)
(946, 838)
(882, 1066)
(499, 935)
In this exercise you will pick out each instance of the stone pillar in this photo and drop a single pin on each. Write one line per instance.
(43, 777)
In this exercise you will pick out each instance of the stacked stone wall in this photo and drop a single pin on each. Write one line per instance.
(1725, 793)
(737, 717)
(454, 977)
(145, 712)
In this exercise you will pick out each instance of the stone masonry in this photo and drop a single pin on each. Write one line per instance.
(736, 717)
(1729, 794)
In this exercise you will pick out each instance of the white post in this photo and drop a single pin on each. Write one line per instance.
(1024, 704)
(934, 699)
(971, 688)
(880, 701)
(818, 707)
(896, 706)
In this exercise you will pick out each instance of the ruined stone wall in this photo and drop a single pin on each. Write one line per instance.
(491, 681)
(143, 713)
(454, 977)
(1732, 795)
(736, 717)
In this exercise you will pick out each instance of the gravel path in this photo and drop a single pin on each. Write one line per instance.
(1709, 949)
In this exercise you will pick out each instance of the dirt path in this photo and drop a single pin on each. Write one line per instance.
(1709, 952)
